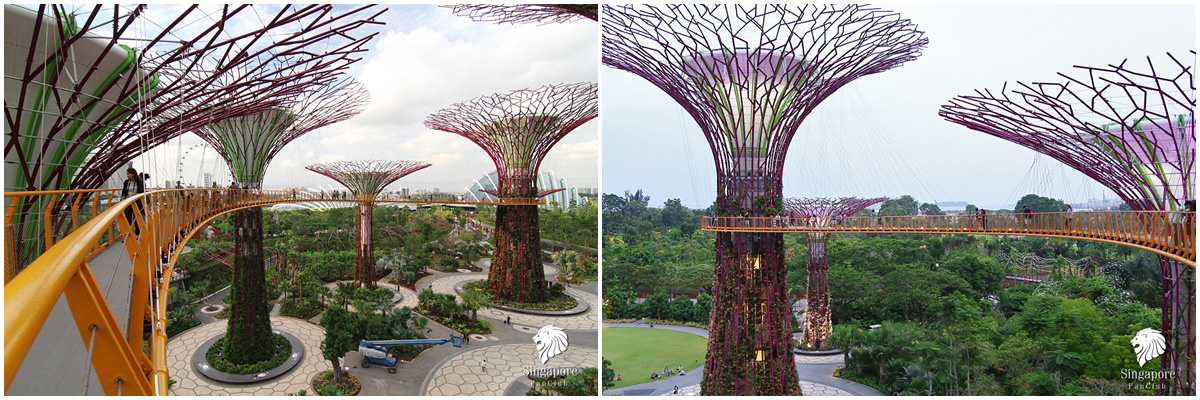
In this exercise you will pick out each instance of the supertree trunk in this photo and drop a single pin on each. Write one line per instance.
(749, 342)
(1178, 321)
(516, 272)
(364, 274)
(818, 324)
(249, 334)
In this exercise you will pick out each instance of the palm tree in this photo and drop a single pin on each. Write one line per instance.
(473, 300)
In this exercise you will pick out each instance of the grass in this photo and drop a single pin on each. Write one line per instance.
(636, 353)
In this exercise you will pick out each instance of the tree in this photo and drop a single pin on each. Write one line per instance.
(673, 213)
(339, 338)
(613, 203)
(680, 309)
(905, 205)
(983, 273)
(931, 209)
(656, 305)
(1040, 204)
(608, 377)
(473, 300)
(703, 308)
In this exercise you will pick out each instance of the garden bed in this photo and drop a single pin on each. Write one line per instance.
(411, 285)
(558, 300)
(323, 385)
(283, 349)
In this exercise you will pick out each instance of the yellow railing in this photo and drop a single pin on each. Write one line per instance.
(35, 210)
(1168, 233)
(167, 218)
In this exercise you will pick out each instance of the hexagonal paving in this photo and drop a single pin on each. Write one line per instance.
(462, 374)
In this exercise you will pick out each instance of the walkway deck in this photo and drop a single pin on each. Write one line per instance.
(62, 359)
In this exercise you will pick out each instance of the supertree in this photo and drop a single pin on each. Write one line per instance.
(86, 101)
(248, 144)
(820, 212)
(1132, 129)
(525, 13)
(516, 129)
(749, 75)
(366, 179)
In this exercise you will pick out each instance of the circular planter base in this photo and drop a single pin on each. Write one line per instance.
(580, 307)
(200, 362)
(829, 352)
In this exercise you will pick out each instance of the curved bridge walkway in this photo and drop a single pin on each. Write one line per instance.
(75, 268)
(1167, 233)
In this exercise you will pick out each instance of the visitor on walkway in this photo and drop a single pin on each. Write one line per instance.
(982, 219)
(676, 390)
(1028, 213)
(483, 365)
(508, 320)
(133, 186)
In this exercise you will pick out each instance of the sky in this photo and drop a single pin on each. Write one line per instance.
(881, 135)
(425, 59)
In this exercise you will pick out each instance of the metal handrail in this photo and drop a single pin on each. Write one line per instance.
(1168, 233)
(168, 218)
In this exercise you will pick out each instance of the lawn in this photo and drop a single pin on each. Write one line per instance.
(636, 353)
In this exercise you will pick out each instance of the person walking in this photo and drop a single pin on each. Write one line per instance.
(483, 365)
(982, 219)
(1028, 213)
(133, 185)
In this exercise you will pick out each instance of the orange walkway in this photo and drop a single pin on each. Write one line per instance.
(1160, 232)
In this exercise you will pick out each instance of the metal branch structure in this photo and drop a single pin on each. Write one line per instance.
(1131, 127)
(96, 88)
(248, 144)
(818, 322)
(517, 129)
(749, 76)
(366, 179)
(525, 13)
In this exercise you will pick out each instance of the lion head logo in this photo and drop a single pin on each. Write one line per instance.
(551, 341)
(1148, 344)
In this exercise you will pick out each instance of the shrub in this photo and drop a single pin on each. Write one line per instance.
(283, 349)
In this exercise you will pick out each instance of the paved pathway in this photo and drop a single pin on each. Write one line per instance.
(808, 388)
(190, 383)
(506, 363)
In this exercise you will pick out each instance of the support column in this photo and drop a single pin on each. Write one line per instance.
(1178, 327)
(516, 272)
(818, 324)
(364, 272)
(750, 335)
(249, 334)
